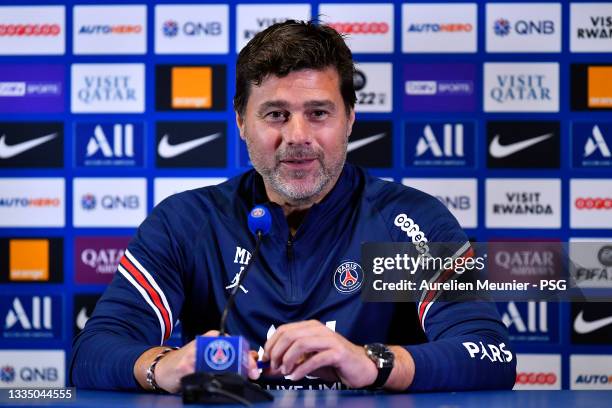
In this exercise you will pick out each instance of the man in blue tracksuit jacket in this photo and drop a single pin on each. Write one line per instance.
(300, 306)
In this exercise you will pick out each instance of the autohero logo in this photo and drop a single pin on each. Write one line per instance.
(591, 203)
(523, 27)
(521, 87)
(32, 30)
(459, 195)
(373, 87)
(31, 317)
(431, 144)
(591, 262)
(96, 258)
(107, 88)
(254, 18)
(39, 144)
(538, 372)
(531, 322)
(523, 203)
(368, 27)
(191, 29)
(591, 145)
(109, 202)
(32, 368)
(109, 144)
(32, 202)
(590, 372)
(524, 144)
(591, 27)
(428, 28)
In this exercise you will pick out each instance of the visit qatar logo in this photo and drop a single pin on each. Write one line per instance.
(348, 277)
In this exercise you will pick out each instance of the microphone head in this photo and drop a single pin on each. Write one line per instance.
(259, 220)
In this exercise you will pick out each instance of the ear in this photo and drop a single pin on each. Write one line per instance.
(351, 121)
(240, 124)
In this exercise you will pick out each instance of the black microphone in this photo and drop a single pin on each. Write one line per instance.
(221, 375)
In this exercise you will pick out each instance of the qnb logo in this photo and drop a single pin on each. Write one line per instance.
(111, 202)
(39, 320)
(7, 374)
(453, 142)
(536, 378)
(171, 28)
(29, 202)
(413, 231)
(111, 29)
(123, 142)
(441, 28)
(30, 30)
(459, 202)
(107, 88)
(361, 27)
(503, 27)
(590, 203)
(495, 353)
(593, 379)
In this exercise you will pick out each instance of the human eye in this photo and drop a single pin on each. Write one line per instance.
(319, 114)
(276, 116)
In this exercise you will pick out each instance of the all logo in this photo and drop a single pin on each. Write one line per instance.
(191, 29)
(521, 87)
(368, 27)
(84, 305)
(531, 322)
(108, 88)
(591, 262)
(191, 144)
(348, 277)
(370, 144)
(32, 30)
(31, 260)
(591, 27)
(523, 144)
(523, 27)
(428, 28)
(31, 88)
(109, 202)
(591, 203)
(253, 18)
(439, 144)
(591, 144)
(373, 87)
(439, 87)
(523, 203)
(219, 354)
(109, 144)
(200, 87)
(110, 29)
(96, 258)
(591, 322)
(459, 195)
(31, 144)
(591, 87)
(31, 317)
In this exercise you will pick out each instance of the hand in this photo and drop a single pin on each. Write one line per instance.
(299, 349)
(179, 363)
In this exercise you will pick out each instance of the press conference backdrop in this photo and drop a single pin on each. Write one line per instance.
(501, 110)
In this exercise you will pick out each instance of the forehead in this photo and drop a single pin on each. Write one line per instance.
(298, 86)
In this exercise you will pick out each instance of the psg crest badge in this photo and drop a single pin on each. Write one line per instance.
(219, 354)
(348, 277)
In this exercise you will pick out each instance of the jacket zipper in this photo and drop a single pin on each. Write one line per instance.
(290, 267)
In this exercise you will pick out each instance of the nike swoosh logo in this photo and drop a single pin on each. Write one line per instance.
(168, 151)
(354, 145)
(583, 327)
(6, 151)
(500, 151)
(82, 319)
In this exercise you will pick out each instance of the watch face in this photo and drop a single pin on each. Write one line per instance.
(381, 353)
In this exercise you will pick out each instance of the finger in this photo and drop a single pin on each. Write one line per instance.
(288, 327)
(319, 360)
(287, 336)
(302, 346)
(253, 372)
(212, 333)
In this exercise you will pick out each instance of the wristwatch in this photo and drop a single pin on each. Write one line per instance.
(383, 358)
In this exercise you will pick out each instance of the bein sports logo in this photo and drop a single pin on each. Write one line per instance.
(413, 231)
(219, 354)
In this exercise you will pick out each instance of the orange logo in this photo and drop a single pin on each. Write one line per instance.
(29, 260)
(600, 87)
(191, 87)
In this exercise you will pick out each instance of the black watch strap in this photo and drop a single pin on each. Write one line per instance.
(383, 358)
(381, 378)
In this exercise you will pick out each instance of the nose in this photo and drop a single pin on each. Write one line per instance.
(297, 131)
